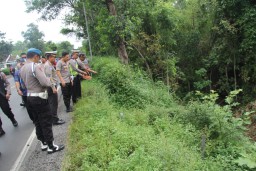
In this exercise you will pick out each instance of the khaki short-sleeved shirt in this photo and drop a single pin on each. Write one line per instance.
(34, 77)
(63, 67)
(50, 72)
(81, 65)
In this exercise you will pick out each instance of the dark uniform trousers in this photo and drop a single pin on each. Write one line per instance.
(76, 89)
(5, 108)
(66, 92)
(79, 91)
(30, 113)
(53, 102)
(42, 118)
(4, 104)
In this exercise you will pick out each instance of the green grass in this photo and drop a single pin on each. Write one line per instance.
(102, 139)
(6, 71)
(127, 122)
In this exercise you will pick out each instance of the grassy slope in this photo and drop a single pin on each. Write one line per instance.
(126, 122)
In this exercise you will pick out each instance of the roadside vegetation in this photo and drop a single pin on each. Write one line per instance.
(127, 122)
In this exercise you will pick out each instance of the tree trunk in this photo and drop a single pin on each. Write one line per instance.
(235, 79)
(210, 86)
(122, 53)
(145, 62)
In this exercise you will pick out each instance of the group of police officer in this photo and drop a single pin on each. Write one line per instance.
(36, 81)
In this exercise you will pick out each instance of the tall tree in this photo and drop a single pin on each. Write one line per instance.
(19, 47)
(122, 53)
(52, 8)
(50, 46)
(5, 47)
(64, 46)
(33, 37)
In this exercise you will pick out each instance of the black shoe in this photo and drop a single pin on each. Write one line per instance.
(44, 146)
(69, 110)
(59, 122)
(55, 148)
(2, 132)
(22, 104)
(15, 123)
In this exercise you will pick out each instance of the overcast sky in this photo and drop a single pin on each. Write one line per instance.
(14, 20)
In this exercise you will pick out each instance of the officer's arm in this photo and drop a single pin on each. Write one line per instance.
(73, 65)
(40, 75)
(17, 80)
(59, 75)
(7, 84)
(82, 65)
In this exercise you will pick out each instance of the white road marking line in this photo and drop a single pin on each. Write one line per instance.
(23, 153)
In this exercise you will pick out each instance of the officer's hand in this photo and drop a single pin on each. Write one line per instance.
(54, 90)
(63, 84)
(20, 92)
(8, 96)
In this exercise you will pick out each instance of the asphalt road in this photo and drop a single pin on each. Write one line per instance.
(15, 138)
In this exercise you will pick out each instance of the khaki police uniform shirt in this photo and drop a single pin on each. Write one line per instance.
(36, 83)
(86, 63)
(7, 84)
(50, 72)
(73, 63)
(81, 65)
(63, 67)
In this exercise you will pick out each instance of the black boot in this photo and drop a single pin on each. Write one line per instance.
(14, 122)
(59, 122)
(52, 148)
(1, 132)
(44, 146)
(69, 109)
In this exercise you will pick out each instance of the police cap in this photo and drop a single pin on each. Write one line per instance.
(82, 55)
(51, 53)
(34, 50)
(75, 51)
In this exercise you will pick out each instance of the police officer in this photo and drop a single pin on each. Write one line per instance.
(82, 66)
(21, 88)
(75, 74)
(23, 57)
(5, 93)
(62, 70)
(52, 92)
(85, 61)
(36, 83)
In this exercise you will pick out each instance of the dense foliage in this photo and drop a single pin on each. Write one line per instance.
(110, 131)
(5, 47)
(190, 45)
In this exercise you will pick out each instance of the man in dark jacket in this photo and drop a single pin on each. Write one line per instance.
(5, 93)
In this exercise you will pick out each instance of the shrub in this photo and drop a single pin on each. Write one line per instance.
(146, 129)
(103, 137)
(225, 133)
(129, 88)
(6, 71)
